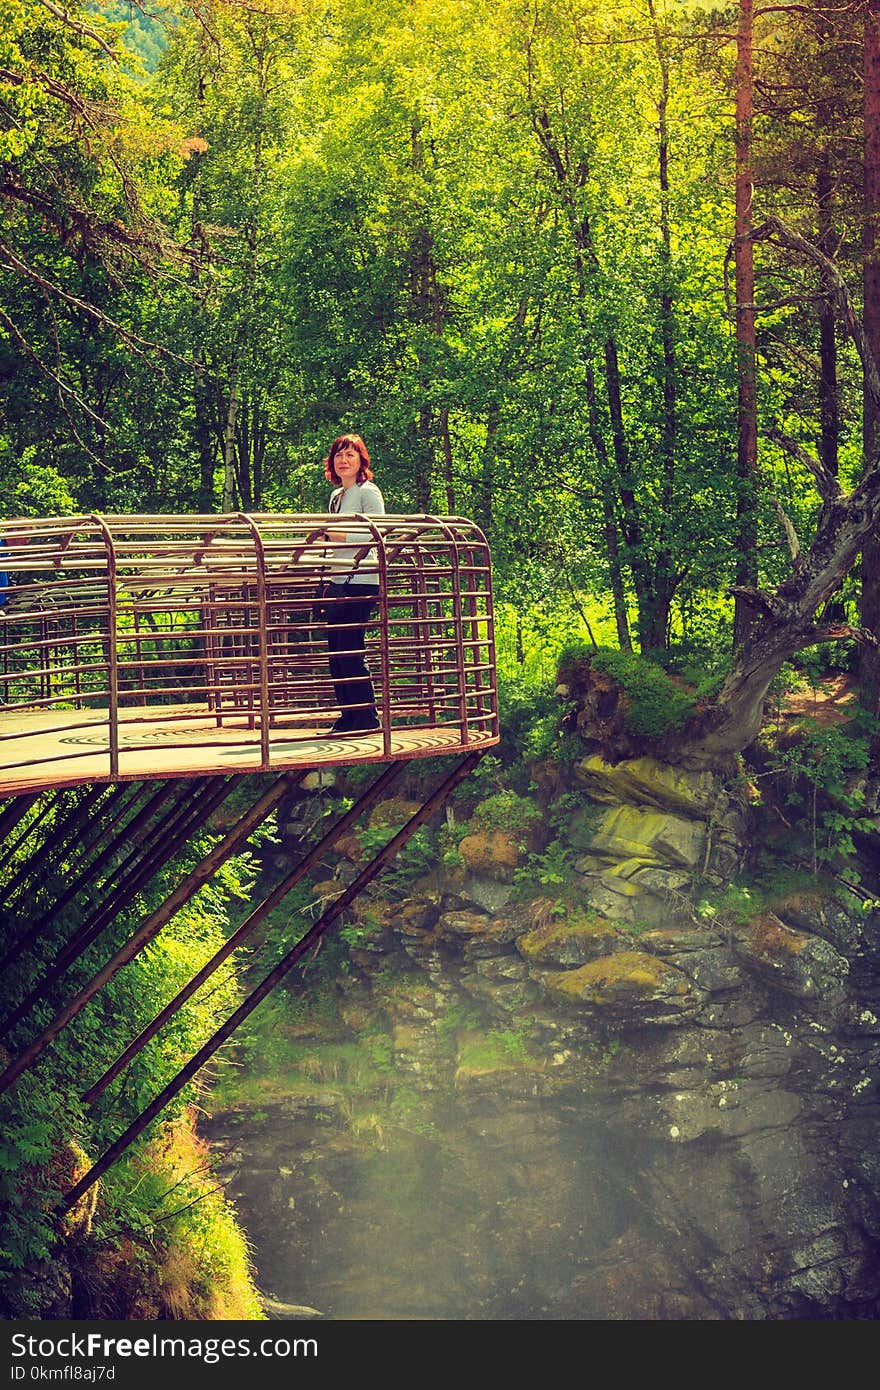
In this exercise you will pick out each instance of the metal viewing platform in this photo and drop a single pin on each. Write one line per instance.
(159, 646)
(145, 661)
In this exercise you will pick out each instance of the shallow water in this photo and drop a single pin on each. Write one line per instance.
(505, 1212)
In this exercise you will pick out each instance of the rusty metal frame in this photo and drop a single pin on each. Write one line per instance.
(93, 868)
(145, 933)
(51, 801)
(63, 831)
(164, 842)
(280, 970)
(125, 634)
(368, 799)
(14, 811)
(142, 829)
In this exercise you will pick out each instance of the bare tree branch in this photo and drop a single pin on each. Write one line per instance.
(773, 230)
(839, 632)
(142, 346)
(79, 28)
(768, 604)
(828, 487)
(62, 385)
(791, 536)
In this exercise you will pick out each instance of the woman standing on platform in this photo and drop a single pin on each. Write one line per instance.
(351, 596)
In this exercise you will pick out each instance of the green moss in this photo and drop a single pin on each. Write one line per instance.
(743, 901)
(567, 940)
(656, 704)
(508, 813)
(615, 978)
(497, 1050)
(459, 1017)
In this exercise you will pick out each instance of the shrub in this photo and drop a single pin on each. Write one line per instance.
(656, 704)
(506, 811)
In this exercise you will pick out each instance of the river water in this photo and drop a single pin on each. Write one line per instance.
(504, 1209)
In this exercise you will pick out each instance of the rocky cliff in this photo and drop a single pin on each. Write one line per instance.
(611, 1096)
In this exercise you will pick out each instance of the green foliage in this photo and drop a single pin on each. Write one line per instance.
(823, 769)
(496, 1048)
(361, 932)
(460, 1016)
(656, 704)
(418, 857)
(449, 837)
(701, 667)
(549, 871)
(508, 812)
(738, 902)
(42, 1114)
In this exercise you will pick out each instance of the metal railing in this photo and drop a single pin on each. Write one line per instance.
(118, 631)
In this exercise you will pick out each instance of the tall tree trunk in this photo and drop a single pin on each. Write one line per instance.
(488, 471)
(664, 582)
(205, 441)
(869, 665)
(651, 634)
(421, 310)
(260, 436)
(229, 479)
(569, 180)
(612, 539)
(829, 404)
(747, 422)
(846, 522)
(447, 462)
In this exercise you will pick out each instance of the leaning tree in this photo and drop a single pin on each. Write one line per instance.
(790, 617)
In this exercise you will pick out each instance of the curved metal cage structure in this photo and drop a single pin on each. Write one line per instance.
(135, 646)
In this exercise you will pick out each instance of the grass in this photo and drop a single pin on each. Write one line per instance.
(496, 1050)
(182, 1254)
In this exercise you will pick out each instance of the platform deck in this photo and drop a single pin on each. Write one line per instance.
(66, 748)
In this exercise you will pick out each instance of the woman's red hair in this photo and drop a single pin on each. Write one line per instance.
(365, 472)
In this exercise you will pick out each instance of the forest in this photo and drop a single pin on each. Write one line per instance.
(532, 254)
(601, 275)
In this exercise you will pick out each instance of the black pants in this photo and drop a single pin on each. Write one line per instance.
(349, 609)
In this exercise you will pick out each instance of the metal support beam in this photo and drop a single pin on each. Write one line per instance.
(13, 812)
(132, 831)
(75, 888)
(287, 962)
(121, 799)
(31, 827)
(248, 926)
(190, 885)
(157, 843)
(150, 832)
(176, 828)
(62, 832)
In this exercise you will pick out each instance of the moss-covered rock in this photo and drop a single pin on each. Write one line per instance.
(647, 782)
(620, 979)
(349, 847)
(483, 1055)
(417, 916)
(795, 962)
(820, 914)
(71, 1163)
(394, 811)
(573, 941)
(652, 837)
(498, 992)
(465, 924)
(495, 853)
(623, 900)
